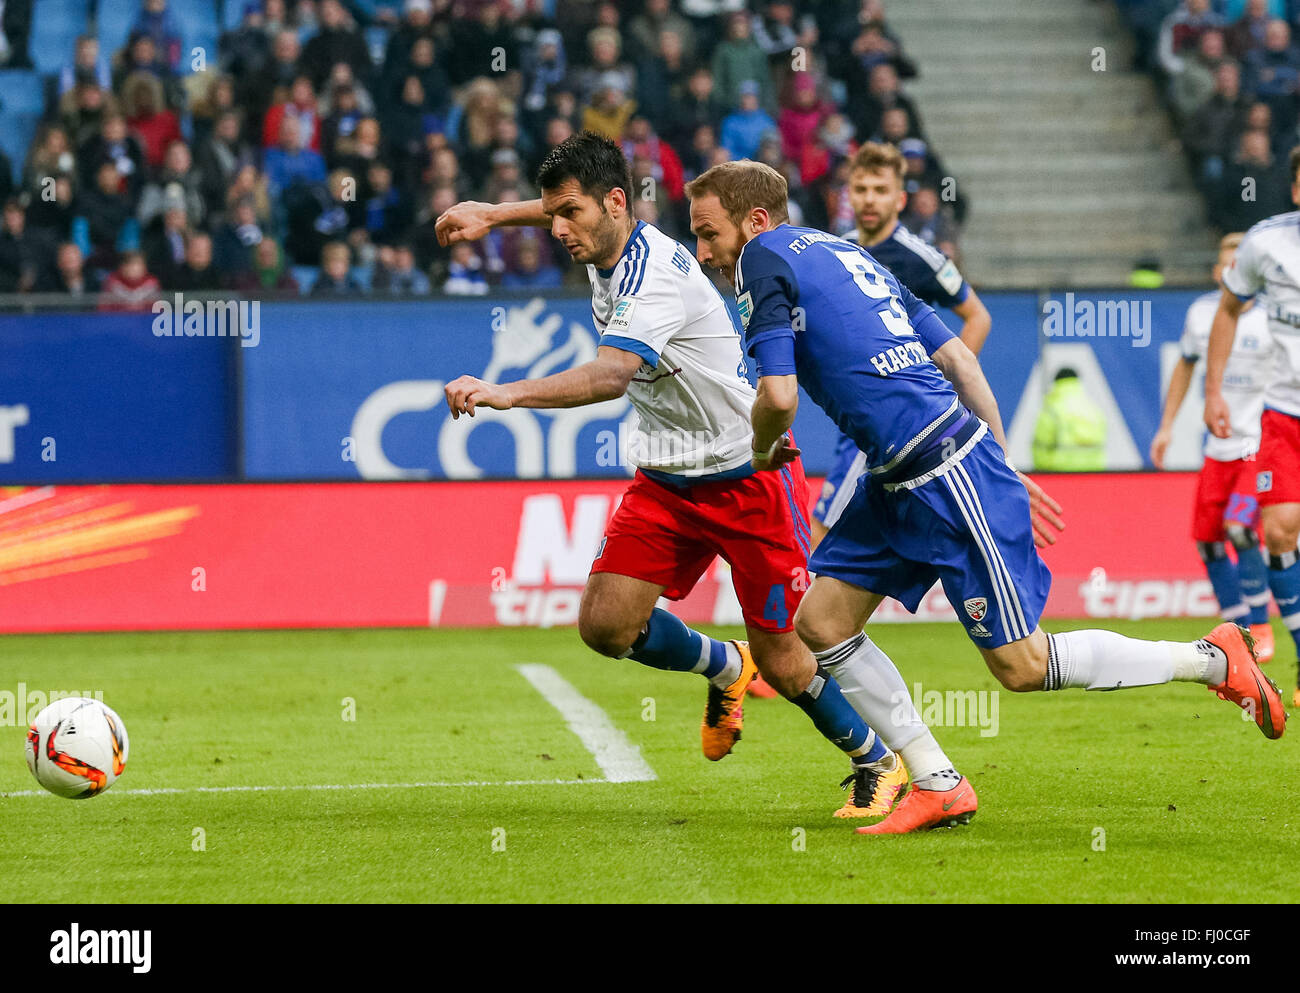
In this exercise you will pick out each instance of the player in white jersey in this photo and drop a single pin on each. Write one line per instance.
(1268, 262)
(668, 343)
(1226, 510)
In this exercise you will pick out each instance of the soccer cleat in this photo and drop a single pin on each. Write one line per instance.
(873, 793)
(1295, 697)
(921, 810)
(724, 715)
(1245, 685)
(761, 688)
(1263, 635)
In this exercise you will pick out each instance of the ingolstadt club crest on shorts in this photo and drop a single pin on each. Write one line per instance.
(977, 607)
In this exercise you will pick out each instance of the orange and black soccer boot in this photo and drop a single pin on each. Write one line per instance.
(922, 810)
(724, 715)
(874, 792)
(1246, 685)
(1263, 635)
(761, 688)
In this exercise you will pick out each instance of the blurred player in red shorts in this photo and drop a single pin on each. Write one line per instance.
(1226, 511)
(1268, 261)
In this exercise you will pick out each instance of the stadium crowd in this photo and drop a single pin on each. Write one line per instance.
(1231, 73)
(318, 145)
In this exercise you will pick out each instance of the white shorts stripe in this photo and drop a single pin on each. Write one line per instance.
(965, 480)
(848, 486)
(998, 594)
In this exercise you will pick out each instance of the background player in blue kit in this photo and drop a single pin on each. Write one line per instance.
(943, 504)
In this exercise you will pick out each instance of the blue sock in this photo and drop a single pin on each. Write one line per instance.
(1284, 581)
(838, 722)
(1223, 577)
(1254, 582)
(667, 643)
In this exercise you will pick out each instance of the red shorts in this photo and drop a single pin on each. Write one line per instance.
(668, 535)
(1225, 494)
(1277, 466)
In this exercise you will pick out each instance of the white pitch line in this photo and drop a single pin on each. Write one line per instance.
(167, 791)
(617, 757)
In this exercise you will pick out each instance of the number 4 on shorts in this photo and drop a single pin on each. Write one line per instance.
(774, 609)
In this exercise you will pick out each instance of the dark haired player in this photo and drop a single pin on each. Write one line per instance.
(668, 343)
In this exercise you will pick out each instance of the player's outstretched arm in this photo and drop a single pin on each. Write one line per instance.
(1222, 333)
(1179, 381)
(471, 220)
(606, 377)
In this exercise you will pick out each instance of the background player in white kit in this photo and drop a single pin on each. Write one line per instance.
(1226, 509)
(668, 342)
(1268, 261)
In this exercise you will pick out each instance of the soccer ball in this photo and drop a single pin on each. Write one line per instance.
(76, 747)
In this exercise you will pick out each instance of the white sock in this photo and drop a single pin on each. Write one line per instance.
(871, 683)
(1104, 660)
(731, 671)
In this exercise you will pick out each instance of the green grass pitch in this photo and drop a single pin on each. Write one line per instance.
(1161, 794)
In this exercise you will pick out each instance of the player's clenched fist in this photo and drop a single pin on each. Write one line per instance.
(467, 221)
(1217, 416)
(466, 393)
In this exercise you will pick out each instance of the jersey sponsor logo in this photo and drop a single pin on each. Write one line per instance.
(949, 278)
(682, 260)
(745, 304)
(1263, 481)
(977, 607)
(980, 631)
(621, 319)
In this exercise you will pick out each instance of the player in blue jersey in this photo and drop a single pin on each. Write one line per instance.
(877, 196)
(942, 505)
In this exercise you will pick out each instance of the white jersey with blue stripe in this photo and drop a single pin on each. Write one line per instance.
(691, 397)
(1268, 262)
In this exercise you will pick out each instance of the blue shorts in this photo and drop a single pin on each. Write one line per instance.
(849, 466)
(969, 528)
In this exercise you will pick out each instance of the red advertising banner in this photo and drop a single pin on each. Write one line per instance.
(96, 558)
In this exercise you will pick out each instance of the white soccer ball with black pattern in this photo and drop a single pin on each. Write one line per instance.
(77, 747)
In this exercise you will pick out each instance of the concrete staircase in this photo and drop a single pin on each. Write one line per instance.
(1073, 174)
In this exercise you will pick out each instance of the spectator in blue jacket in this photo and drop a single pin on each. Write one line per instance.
(743, 130)
(288, 162)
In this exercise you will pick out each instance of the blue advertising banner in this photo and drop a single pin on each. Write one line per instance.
(355, 390)
(99, 397)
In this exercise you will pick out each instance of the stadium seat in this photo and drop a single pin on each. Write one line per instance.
(232, 14)
(55, 27)
(113, 25)
(305, 276)
(199, 28)
(21, 91)
(17, 131)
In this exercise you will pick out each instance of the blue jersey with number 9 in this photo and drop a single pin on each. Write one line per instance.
(860, 343)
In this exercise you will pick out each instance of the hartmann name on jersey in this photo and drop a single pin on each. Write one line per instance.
(899, 357)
